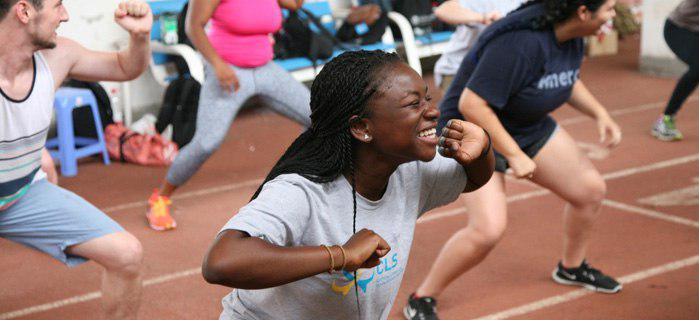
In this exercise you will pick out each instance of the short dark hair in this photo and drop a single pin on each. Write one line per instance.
(5, 6)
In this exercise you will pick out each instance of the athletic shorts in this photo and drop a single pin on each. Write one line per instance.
(50, 219)
(531, 150)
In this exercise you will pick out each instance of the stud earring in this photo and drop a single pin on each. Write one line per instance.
(366, 136)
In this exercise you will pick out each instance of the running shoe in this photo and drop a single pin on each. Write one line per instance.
(423, 308)
(586, 276)
(665, 129)
(158, 214)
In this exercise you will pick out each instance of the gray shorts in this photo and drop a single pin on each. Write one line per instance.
(50, 219)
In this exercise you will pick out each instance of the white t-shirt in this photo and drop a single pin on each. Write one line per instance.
(465, 36)
(293, 211)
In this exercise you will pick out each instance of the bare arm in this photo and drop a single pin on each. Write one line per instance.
(481, 169)
(49, 167)
(84, 64)
(240, 261)
(476, 109)
(198, 14)
(453, 13)
(583, 100)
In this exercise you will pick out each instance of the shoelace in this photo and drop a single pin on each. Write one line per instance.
(590, 272)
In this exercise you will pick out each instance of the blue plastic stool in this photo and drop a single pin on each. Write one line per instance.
(65, 101)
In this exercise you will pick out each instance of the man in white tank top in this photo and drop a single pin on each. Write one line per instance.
(34, 61)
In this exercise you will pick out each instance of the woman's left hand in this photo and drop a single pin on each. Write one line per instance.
(462, 141)
(609, 132)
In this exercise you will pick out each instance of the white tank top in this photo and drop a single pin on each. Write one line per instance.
(24, 125)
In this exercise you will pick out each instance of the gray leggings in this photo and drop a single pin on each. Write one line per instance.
(217, 109)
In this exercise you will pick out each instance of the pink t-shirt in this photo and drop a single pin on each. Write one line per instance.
(240, 31)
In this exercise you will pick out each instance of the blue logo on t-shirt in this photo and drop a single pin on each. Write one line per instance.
(382, 274)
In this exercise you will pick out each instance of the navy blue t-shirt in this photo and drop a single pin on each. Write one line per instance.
(523, 75)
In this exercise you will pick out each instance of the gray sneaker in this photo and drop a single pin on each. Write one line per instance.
(665, 129)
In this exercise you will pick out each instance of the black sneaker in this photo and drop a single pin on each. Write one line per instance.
(424, 308)
(585, 276)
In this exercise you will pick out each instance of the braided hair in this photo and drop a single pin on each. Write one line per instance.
(559, 11)
(326, 149)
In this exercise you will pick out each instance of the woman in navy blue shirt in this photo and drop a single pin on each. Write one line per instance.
(522, 68)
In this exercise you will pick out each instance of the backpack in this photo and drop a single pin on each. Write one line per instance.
(181, 20)
(298, 39)
(180, 104)
(181, 98)
(83, 122)
(421, 16)
(365, 30)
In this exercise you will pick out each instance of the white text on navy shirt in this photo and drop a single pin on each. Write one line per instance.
(558, 80)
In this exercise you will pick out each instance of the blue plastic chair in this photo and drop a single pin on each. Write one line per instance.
(67, 153)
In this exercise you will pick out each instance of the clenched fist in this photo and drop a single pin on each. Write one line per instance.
(463, 141)
(134, 16)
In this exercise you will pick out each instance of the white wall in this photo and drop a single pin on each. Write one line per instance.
(92, 24)
(656, 57)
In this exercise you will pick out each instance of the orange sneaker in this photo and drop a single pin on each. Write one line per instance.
(158, 214)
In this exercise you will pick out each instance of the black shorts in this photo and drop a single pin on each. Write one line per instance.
(531, 150)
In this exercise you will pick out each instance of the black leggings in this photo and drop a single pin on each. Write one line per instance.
(685, 44)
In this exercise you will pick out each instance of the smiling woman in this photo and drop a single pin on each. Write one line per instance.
(522, 68)
(367, 162)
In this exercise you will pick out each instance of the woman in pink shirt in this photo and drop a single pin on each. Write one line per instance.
(238, 53)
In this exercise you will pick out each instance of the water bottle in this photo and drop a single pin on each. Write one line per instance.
(168, 28)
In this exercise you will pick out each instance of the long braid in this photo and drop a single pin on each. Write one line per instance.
(326, 150)
(354, 230)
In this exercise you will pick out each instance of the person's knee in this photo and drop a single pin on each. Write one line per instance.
(127, 255)
(488, 236)
(593, 190)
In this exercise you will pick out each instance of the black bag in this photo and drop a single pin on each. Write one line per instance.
(297, 39)
(83, 122)
(179, 108)
(181, 20)
(348, 32)
(419, 14)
